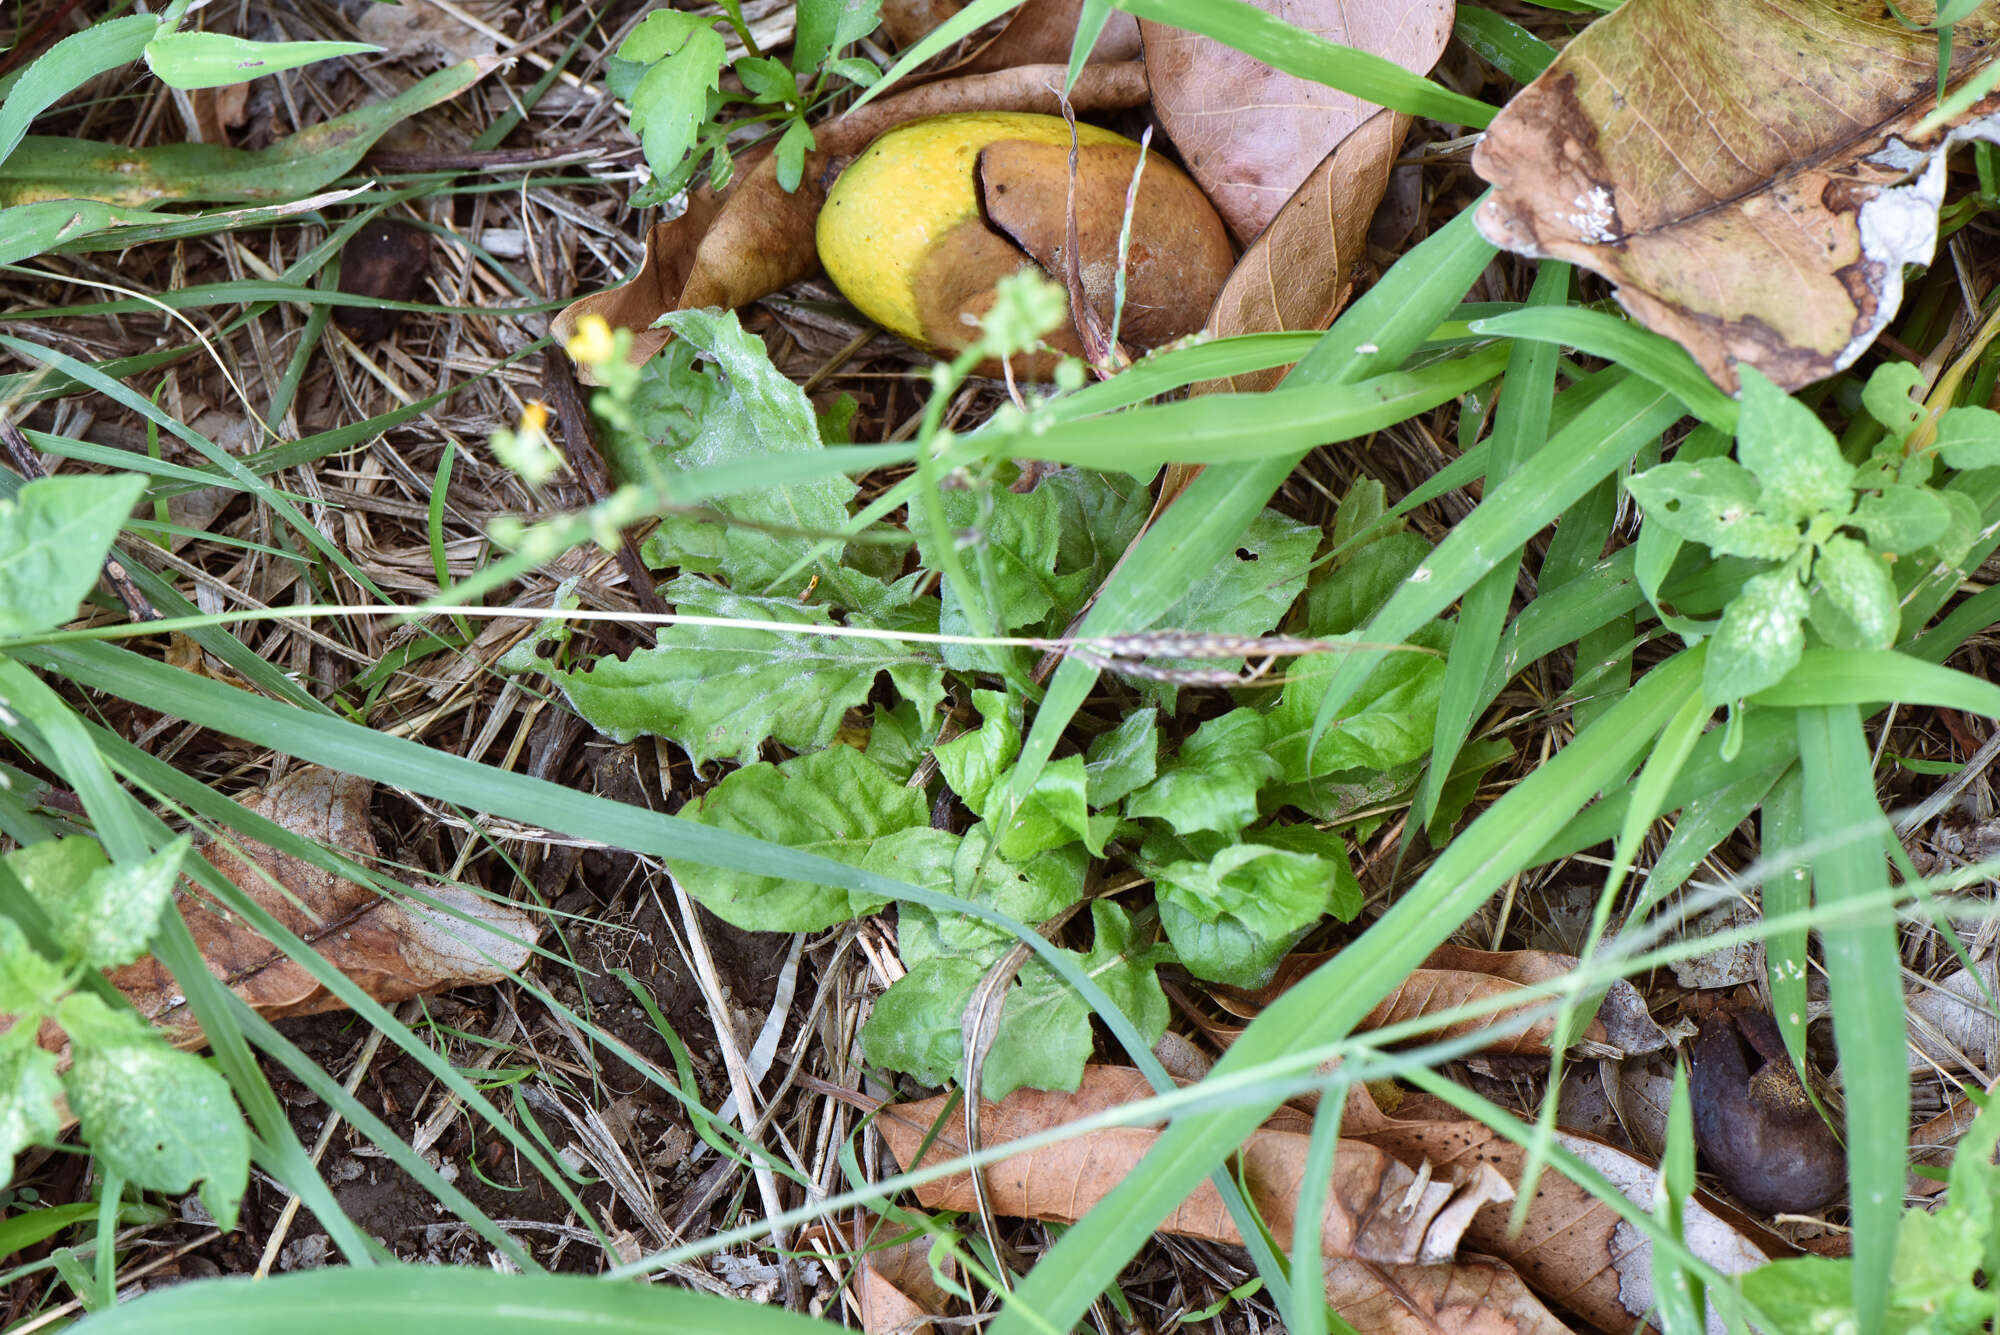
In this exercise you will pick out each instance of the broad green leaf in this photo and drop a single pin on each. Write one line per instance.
(1099, 514)
(1386, 723)
(1044, 1037)
(977, 764)
(793, 145)
(671, 100)
(766, 79)
(1032, 891)
(53, 538)
(1233, 917)
(1013, 538)
(825, 26)
(743, 412)
(721, 692)
(1330, 847)
(1795, 458)
(1886, 396)
(916, 1025)
(29, 1085)
(1969, 438)
(833, 803)
(29, 980)
(1123, 760)
(1760, 638)
(1901, 519)
(1713, 502)
(52, 167)
(165, 1119)
(215, 60)
(1248, 591)
(106, 918)
(1212, 783)
(1803, 1295)
(1359, 583)
(1126, 970)
(1857, 582)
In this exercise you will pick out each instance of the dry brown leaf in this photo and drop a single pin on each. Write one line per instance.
(1041, 32)
(893, 1289)
(905, 21)
(732, 251)
(1748, 175)
(1471, 1296)
(392, 950)
(1573, 1249)
(1453, 976)
(1378, 1209)
(420, 26)
(1253, 135)
(1300, 270)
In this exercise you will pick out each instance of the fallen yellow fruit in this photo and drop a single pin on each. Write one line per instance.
(921, 225)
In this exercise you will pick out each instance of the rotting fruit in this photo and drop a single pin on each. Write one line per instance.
(922, 224)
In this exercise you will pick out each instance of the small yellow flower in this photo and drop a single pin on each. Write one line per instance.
(535, 418)
(591, 344)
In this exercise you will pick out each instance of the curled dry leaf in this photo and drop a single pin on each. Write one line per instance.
(1573, 1249)
(1757, 1130)
(1378, 1209)
(1296, 167)
(1453, 976)
(1951, 1023)
(1253, 135)
(731, 251)
(1300, 270)
(1749, 176)
(393, 950)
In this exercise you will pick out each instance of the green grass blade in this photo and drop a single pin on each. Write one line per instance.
(1657, 358)
(1520, 427)
(67, 66)
(1875, 676)
(1601, 438)
(1278, 44)
(1200, 527)
(1235, 428)
(1332, 1000)
(440, 1300)
(1846, 831)
(1503, 44)
(1787, 890)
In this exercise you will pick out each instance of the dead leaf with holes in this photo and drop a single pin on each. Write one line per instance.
(1573, 1249)
(1378, 1209)
(1390, 1234)
(1751, 177)
(732, 250)
(393, 950)
(1453, 976)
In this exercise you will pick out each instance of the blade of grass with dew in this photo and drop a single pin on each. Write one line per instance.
(122, 824)
(440, 1300)
(1520, 427)
(1787, 890)
(1603, 663)
(1658, 359)
(1238, 428)
(1204, 523)
(1278, 44)
(1705, 821)
(1846, 829)
(1631, 413)
(67, 66)
(1329, 1002)
(1562, 617)
(1503, 44)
